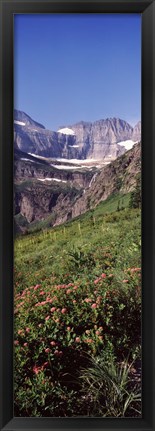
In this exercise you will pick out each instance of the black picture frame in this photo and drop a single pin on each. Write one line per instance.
(147, 9)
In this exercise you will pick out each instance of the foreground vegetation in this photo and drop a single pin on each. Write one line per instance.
(78, 315)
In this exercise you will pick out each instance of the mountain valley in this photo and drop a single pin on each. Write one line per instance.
(49, 189)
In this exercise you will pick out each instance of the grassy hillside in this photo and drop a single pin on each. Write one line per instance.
(77, 299)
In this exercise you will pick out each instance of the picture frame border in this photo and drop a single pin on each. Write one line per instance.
(147, 10)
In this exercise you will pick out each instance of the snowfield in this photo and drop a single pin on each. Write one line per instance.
(67, 167)
(52, 179)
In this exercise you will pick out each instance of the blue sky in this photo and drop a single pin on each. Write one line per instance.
(73, 67)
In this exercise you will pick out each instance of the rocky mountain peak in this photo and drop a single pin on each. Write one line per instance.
(23, 119)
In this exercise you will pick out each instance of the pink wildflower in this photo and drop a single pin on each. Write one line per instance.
(36, 369)
(37, 286)
(27, 330)
(89, 340)
(53, 343)
(53, 309)
(16, 342)
(68, 291)
(25, 344)
(77, 339)
(97, 280)
(64, 310)
(47, 317)
(103, 275)
(47, 350)
(94, 305)
(88, 300)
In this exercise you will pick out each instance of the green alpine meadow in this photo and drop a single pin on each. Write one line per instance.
(77, 304)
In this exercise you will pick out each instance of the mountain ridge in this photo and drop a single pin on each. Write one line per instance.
(99, 139)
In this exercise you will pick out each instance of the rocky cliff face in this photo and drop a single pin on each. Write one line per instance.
(35, 202)
(42, 190)
(118, 177)
(27, 167)
(136, 135)
(98, 140)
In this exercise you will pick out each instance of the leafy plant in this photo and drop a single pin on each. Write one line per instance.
(111, 388)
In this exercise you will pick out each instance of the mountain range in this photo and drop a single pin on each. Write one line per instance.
(104, 139)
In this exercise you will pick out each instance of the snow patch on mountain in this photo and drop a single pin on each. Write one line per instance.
(27, 160)
(66, 131)
(127, 144)
(20, 123)
(74, 146)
